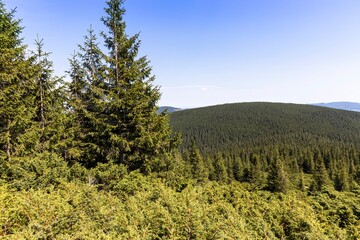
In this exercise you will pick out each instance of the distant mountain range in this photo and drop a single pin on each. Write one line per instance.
(349, 106)
(168, 109)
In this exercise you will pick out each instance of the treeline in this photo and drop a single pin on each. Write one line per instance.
(92, 158)
(281, 167)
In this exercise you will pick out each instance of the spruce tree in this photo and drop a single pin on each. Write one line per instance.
(198, 170)
(49, 119)
(253, 172)
(209, 165)
(308, 162)
(230, 167)
(320, 175)
(277, 178)
(117, 109)
(88, 100)
(341, 181)
(301, 183)
(16, 87)
(73, 146)
(220, 169)
(238, 169)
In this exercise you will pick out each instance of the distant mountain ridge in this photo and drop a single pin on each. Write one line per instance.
(168, 109)
(342, 105)
(349, 106)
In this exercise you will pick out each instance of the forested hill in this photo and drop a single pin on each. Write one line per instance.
(230, 126)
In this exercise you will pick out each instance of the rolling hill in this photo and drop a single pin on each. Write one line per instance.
(232, 126)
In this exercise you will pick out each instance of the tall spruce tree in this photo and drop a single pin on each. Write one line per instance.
(16, 86)
(198, 170)
(220, 169)
(49, 119)
(277, 178)
(118, 110)
(73, 146)
(88, 100)
(341, 181)
(320, 175)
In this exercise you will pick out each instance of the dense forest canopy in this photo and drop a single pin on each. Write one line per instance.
(231, 127)
(93, 159)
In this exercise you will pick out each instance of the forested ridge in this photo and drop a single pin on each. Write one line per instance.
(91, 158)
(241, 124)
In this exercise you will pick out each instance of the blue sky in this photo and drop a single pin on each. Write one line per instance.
(206, 52)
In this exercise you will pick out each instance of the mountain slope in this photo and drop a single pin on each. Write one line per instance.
(237, 125)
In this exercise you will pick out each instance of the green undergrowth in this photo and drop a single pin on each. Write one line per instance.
(146, 207)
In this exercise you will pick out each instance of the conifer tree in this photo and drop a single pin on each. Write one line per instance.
(16, 86)
(320, 175)
(117, 109)
(277, 178)
(49, 101)
(301, 184)
(88, 102)
(220, 169)
(238, 169)
(254, 173)
(198, 170)
(341, 181)
(230, 168)
(308, 162)
(209, 164)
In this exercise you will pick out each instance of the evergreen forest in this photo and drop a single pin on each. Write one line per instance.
(95, 158)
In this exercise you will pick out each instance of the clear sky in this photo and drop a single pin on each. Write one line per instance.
(206, 52)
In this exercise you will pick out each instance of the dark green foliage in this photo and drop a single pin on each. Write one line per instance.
(231, 127)
(221, 174)
(246, 135)
(87, 101)
(238, 169)
(308, 162)
(114, 101)
(106, 175)
(342, 179)
(198, 170)
(50, 117)
(277, 178)
(32, 100)
(301, 184)
(320, 175)
(16, 88)
(254, 172)
(76, 145)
